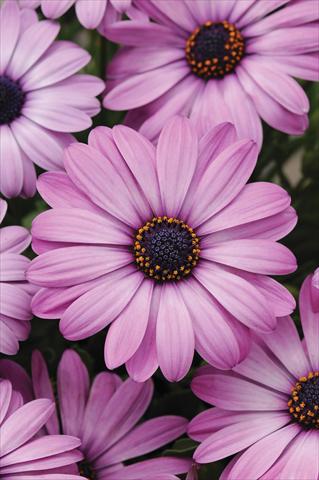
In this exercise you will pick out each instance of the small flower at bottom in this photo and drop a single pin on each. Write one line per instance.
(267, 409)
(15, 292)
(167, 246)
(105, 417)
(25, 451)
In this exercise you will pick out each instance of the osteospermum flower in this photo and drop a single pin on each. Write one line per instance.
(27, 453)
(268, 408)
(215, 61)
(104, 416)
(167, 245)
(42, 99)
(90, 13)
(15, 292)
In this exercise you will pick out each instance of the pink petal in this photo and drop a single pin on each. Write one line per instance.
(258, 256)
(285, 343)
(302, 66)
(56, 116)
(292, 15)
(43, 448)
(98, 187)
(121, 413)
(310, 322)
(178, 10)
(90, 12)
(231, 392)
(58, 191)
(270, 110)
(287, 92)
(15, 302)
(140, 33)
(14, 239)
(257, 10)
(273, 228)
(3, 209)
(130, 60)
(239, 297)
(176, 101)
(138, 90)
(177, 149)
(97, 308)
(156, 468)
(219, 338)
(24, 423)
(242, 109)
(256, 201)
(9, 32)
(42, 388)
(260, 367)
(144, 363)
(78, 226)
(258, 458)
(69, 266)
(60, 61)
(236, 437)
(278, 40)
(223, 180)
(11, 180)
(299, 461)
(174, 334)
(139, 154)
(55, 8)
(127, 331)
(13, 267)
(35, 40)
(103, 388)
(145, 438)
(5, 398)
(8, 340)
(73, 390)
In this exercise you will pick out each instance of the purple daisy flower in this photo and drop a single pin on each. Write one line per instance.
(90, 13)
(104, 416)
(26, 453)
(41, 97)
(158, 242)
(16, 293)
(215, 61)
(268, 407)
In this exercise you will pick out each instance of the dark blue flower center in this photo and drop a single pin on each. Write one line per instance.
(11, 100)
(86, 470)
(304, 401)
(214, 49)
(166, 249)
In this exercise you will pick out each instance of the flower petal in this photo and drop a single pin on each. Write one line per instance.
(239, 297)
(9, 32)
(174, 335)
(11, 180)
(127, 331)
(310, 322)
(90, 12)
(177, 149)
(73, 390)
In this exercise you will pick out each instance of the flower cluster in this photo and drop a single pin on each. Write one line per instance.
(158, 237)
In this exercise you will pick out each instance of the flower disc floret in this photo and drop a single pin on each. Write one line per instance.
(166, 249)
(214, 49)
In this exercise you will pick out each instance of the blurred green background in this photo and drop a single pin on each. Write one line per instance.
(292, 162)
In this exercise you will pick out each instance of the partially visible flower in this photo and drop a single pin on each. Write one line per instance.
(104, 416)
(27, 453)
(15, 292)
(167, 245)
(90, 13)
(268, 407)
(42, 99)
(215, 61)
